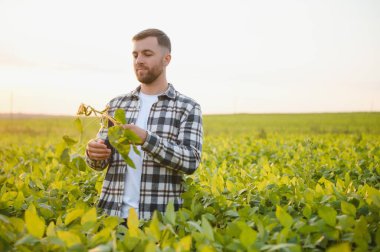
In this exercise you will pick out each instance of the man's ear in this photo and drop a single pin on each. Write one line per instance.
(167, 59)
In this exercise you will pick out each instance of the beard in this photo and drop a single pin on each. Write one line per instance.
(149, 75)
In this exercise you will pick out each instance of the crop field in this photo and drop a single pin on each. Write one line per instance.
(267, 182)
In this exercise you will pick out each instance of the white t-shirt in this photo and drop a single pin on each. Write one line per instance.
(131, 196)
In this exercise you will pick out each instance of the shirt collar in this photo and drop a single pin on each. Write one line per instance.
(169, 93)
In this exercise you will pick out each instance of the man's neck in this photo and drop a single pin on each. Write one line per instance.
(155, 88)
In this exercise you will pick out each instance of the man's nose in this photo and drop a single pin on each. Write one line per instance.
(139, 59)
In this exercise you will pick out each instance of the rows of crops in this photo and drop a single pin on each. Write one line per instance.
(266, 183)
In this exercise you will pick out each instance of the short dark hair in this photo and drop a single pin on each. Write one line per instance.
(162, 38)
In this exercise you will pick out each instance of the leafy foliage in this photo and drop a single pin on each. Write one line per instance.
(119, 137)
(285, 190)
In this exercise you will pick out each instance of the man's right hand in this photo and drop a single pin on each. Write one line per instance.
(97, 150)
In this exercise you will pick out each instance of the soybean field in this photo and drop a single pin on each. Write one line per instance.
(267, 182)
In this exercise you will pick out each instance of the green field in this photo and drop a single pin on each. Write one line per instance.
(267, 182)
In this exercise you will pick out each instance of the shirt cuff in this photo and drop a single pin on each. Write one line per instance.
(151, 143)
(95, 164)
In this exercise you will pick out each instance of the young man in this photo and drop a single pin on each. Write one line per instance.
(170, 127)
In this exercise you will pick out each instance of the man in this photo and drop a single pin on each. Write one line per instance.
(169, 125)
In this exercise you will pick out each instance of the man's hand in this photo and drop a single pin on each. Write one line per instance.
(97, 150)
(141, 133)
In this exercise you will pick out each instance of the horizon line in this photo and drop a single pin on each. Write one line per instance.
(21, 114)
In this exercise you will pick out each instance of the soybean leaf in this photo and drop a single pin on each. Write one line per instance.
(129, 162)
(248, 237)
(136, 150)
(120, 116)
(169, 213)
(341, 247)
(89, 217)
(131, 136)
(348, 208)
(121, 140)
(154, 228)
(285, 219)
(27, 240)
(78, 125)
(34, 223)
(79, 163)
(73, 215)
(328, 214)
(69, 238)
(69, 141)
(133, 220)
(207, 229)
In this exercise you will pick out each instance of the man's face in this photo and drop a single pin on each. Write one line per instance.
(149, 59)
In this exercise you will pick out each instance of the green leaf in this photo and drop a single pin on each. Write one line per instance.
(69, 141)
(377, 237)
(128, 161)
(102, 248)
(69, 238)
(18, 224)
(285, 219)
(361, 234)
(373, 197)
(346, 222)
(4, 219)
(114, 133)
(50, 231)
(169, 213)
(328, 214)
(111, 221)
(136, 150)
(248, 237)
(89, 217)
(307, 211)
(101, 237)
(19, 201)
(150, 247)
(342, 247)
(120, 116)
(348, 208)
(34, 224)
(131, 136)
(154, 228)
(65, 156)
(73, 215)
(78, 125)
(27, 240)
(282, 247)
(184, 244)
(121, 140)
(79, 163)
(207, 229)
(133, 220)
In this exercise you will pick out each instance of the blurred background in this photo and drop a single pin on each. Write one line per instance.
(240, 56)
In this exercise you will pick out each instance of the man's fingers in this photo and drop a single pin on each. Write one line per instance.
(98, 156)
(97, 144)
(97, 150)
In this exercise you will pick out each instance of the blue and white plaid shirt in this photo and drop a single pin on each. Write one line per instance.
(172, 148)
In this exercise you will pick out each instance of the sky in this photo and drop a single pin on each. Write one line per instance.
(240, 56)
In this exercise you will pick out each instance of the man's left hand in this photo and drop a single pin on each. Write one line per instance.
(141, 133)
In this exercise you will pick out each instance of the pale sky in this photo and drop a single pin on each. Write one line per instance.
(237, 56)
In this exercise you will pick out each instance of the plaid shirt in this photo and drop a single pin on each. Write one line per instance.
(172, 148)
